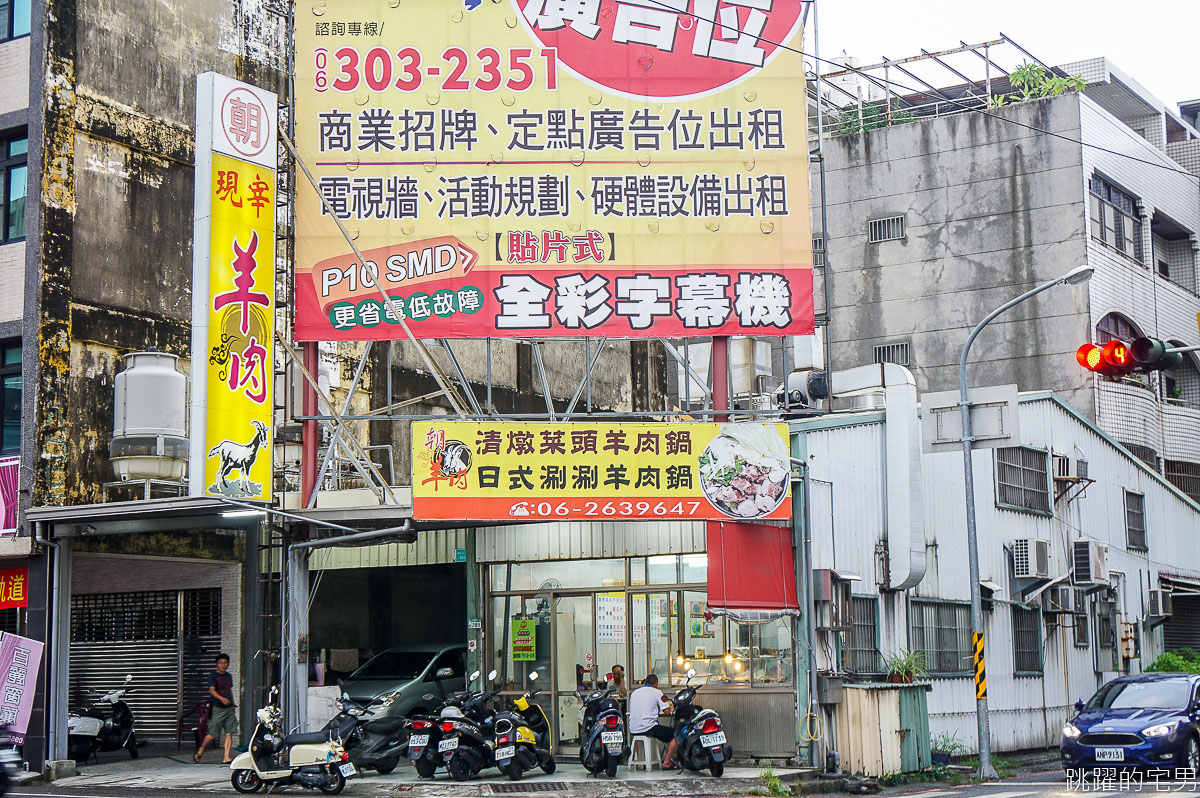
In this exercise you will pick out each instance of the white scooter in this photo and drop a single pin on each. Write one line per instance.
(274, 758)
(106, 726)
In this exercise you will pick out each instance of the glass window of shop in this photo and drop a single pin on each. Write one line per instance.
(646, 614)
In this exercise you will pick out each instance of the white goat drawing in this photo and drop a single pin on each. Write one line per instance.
(239, 456)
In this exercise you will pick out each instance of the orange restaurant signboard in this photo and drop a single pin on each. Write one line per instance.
(490, 471)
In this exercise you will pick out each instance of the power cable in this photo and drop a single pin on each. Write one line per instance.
(911, 90)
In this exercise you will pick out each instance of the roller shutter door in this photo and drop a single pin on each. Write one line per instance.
(166, 640)
(1182, 629)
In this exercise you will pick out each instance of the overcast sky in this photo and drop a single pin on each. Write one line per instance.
(1156, 42)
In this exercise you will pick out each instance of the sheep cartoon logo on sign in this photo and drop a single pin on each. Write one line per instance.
(239, 457)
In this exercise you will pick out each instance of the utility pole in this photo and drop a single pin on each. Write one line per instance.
(1076, 276)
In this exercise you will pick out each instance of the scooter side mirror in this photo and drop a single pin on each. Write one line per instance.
(474, 675)
(533, 677)
(345, 695)
(274, 692)
(691, 674)
(129, 677)
(492, 675)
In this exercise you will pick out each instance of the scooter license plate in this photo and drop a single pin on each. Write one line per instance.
(712, 740)
(347, 769)
(612, 738)
(418, 741)
(507, 752)
(448, 745)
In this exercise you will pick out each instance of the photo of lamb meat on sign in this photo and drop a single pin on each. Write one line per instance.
(744, 471)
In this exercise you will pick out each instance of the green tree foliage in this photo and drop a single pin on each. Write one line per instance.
(1185, 660)
(872, 116)
(1034, 81)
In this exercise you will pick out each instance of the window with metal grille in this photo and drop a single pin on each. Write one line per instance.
(889, 229)
(1080, 619)
(1183, 475)
(1135, 520)
(1027, 641)
(112, 617)
(893, 353)
(1144, 453)
(1115, 327)
(818, 251)
(1023, 479)
(202, 612)
(860, 653)
(1106, 635)
(9, 621)
(1115, 221)
(941, 630)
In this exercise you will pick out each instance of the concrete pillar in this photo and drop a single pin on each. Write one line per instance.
(294, 668)
(251, 668)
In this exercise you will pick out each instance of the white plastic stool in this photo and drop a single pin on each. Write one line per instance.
(642, 752)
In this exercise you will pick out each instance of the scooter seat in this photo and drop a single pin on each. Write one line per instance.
(311, 737)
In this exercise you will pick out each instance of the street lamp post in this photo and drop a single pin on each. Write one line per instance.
(1076, 276)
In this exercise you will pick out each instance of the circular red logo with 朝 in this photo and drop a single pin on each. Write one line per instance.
(245, 122)
(662, 49)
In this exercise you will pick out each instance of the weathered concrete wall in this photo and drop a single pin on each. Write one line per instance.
(991, 209)
(116, 200)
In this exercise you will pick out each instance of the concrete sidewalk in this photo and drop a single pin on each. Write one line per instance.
(162, 767)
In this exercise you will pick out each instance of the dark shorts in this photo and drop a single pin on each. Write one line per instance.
(658, 732)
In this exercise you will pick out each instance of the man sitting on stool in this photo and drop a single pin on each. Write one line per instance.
(645, 705)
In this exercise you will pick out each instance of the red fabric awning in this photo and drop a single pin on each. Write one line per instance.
(751, 570)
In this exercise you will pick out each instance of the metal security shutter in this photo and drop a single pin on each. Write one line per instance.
(1182, 629)
(154, 665)
(201, 642)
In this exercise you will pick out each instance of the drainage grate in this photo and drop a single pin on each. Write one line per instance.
(559, 787)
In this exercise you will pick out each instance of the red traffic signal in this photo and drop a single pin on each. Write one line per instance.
(1112, 359)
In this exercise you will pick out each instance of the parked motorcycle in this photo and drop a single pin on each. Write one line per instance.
(423, 743)
(378, 743)
(466, 744)
(10, 761)
(106, 726)
(699, 738)
(603, 742)
(278, 759)
(523, 737)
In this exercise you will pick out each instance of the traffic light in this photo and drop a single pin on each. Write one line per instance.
(1116, 358)
(1151, 355)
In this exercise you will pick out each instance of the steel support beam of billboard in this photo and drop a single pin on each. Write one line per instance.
(442, 380)
(327, 458)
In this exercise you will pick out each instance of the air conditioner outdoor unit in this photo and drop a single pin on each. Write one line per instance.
(1159, 605)
(1058, 600)
(1069, 470)
(1031, 558)
(1090, 561)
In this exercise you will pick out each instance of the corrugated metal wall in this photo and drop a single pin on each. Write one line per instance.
(588, 539)
(563, 540)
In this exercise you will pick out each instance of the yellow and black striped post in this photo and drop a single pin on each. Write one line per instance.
(980, 674)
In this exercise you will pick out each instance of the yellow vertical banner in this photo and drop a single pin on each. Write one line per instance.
(241, 325)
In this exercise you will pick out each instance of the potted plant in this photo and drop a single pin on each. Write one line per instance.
(905, 666)
(944, 746)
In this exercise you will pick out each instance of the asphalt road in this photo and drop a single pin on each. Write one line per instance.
(1051, 784)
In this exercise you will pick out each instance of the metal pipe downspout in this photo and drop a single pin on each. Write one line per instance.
(825, 268)
(55, 695)
(811, 624)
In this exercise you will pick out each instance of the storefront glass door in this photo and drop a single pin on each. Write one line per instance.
(655, 634)
(574, 659)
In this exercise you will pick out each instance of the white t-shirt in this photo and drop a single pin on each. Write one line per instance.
(645, 705)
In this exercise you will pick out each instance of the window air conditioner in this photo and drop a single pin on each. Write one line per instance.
(1058, 600)
(1159, 604)
(1069, 470)
(1090, 561)
(1031, 558)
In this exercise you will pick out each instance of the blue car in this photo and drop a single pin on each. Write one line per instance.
(1146, 721)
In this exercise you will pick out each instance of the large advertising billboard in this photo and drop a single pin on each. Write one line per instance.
(540, 168)
(499, 471)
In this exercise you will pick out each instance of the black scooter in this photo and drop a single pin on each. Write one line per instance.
(107, 725)
(701, 741)
(376, 744)
(466, 743)
(523, 737)
(423, 743)
(603, 745)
